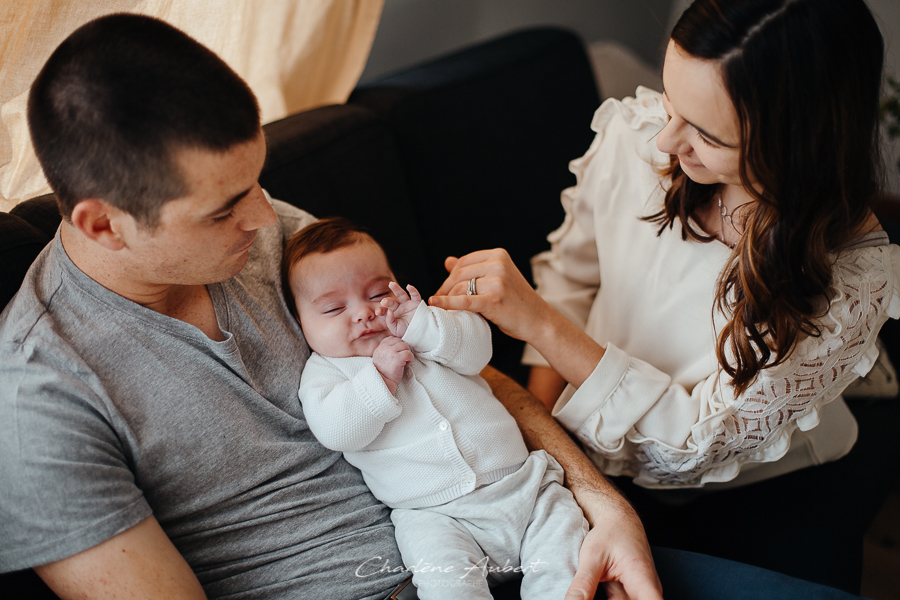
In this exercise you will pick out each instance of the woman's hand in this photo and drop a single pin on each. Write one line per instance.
(504, 296)
(508, 300)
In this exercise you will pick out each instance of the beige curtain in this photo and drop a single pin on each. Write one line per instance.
(294, 54)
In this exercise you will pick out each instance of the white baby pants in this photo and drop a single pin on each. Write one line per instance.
(525, 523)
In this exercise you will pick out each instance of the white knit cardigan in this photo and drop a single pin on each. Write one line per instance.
(441, 435)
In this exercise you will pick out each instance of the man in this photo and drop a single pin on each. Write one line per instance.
(151, 438)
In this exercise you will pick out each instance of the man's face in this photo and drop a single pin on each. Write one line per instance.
(206, 235)
(337, 295)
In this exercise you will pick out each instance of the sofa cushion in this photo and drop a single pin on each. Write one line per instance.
(20, 243)
(42, 212)
(342, 161)
(485, 136)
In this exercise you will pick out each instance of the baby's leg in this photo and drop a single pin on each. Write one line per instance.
(444, 559)
(549, 552)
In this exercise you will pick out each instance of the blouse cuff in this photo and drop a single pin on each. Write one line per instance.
(612, 399)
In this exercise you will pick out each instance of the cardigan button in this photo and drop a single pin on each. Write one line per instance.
(443, 426)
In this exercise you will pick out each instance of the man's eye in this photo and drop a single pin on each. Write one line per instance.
(223, 217)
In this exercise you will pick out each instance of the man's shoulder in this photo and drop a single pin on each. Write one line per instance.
(291, 218)
(29, 310)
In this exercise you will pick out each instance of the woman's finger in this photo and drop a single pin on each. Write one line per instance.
(458, 281)
(457, 302)
(461, 269)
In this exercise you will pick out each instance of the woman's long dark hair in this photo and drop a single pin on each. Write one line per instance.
(805, 80)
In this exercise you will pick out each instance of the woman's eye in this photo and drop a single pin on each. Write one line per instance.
(706, 141)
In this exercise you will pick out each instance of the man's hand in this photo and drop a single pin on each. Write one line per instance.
(399, 311)
(615, 552)
(390, 359)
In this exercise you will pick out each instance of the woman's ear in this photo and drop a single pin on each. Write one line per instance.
(99, 222)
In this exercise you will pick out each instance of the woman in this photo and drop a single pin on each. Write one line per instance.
(720, 278)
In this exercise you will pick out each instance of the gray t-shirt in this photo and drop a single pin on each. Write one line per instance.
(111, 412)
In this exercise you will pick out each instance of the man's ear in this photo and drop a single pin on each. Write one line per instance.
(99, 222)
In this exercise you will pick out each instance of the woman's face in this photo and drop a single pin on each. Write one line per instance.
(703, 130)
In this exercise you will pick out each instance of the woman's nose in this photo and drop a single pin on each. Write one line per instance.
(671, 140)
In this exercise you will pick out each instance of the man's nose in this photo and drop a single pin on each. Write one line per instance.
(257, 212)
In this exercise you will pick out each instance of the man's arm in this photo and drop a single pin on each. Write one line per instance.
(139, 563)
(615, 551)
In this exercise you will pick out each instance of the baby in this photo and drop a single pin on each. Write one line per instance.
(393, 384)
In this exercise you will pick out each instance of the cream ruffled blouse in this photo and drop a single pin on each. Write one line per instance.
(657, 407)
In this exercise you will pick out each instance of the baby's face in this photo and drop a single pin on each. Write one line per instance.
(337, 294)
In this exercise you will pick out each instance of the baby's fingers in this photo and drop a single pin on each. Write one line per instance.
(414, 294)
(398, 292)
(389, 302)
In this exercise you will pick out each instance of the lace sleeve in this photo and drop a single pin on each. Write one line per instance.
(728, 432)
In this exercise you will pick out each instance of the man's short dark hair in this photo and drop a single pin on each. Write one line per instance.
(118, 99)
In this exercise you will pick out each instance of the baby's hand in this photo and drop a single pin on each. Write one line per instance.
(399, 311)
(390, 358)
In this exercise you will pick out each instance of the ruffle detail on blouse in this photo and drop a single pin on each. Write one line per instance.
(757, 427)
(645, 110)
(893, 308)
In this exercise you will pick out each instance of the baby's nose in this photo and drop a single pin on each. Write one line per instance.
(365, 313)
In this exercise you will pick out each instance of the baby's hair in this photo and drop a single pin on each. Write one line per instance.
(323, 236)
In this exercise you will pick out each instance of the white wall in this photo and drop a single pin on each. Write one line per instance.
(887, 12)
(415, 30)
